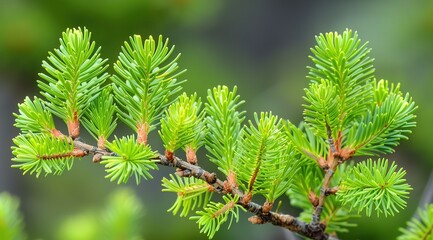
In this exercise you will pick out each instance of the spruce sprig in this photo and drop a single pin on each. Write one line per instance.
(131, 159)
(42, 153)
(264, 165)
(387, 122)
(420, 227)
(192, 193)
(215, 214)
(223, 122)
(343, 62)
(99, 120)
(323, 108)
(33, 116)
(375, 186)
(144, 83)
(183, 124)
(74, 76)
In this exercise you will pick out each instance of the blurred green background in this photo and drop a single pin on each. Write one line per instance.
(261, 46)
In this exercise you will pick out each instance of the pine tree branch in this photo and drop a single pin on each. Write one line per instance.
(187, 169)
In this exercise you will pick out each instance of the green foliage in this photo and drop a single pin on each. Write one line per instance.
(11, 220)
(308, 180)
(99, 120)
(33, 117)
(264, 165)
(131, 159)
(385, 123)
(344, 97)
(224, 126)
(183, 124)
(74, 75)
(145, 81)
(311, 146)
(37, 153)
(340, 78)
(300, 190)
(215, 214)
(191, 193)
(337, 217)
(120, 218)
(419, 227)
(375, 186)
(88, 223)
(324, 107)
(347, 113)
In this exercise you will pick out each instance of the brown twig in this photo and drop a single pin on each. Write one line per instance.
(332, 162)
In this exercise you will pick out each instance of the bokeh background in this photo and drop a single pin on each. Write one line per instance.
(259, 45)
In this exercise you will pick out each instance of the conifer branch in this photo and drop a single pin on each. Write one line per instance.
(191, 170)
(348, 113)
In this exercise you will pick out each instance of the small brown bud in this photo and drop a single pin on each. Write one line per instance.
(56, 133)
(322, 163)
(247, 198)
(169, 155)
(267, 207)
(230, 184)
(78, 153)
(333, 190)
(210, 188)
(210, 177)
(97, 158)
(346, 153)
(191, 157)
(231, 178)
(179, 172)
(256, 220)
